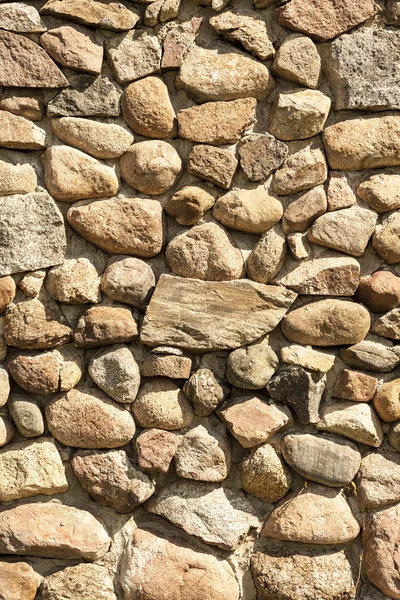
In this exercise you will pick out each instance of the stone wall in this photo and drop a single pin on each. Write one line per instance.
(199, 300)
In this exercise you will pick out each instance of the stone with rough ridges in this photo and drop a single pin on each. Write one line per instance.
(133, 55)
(352, 385)
(74, 47)
(378, 480)
(21, 18)
(174, 367)
(76, 281)
(155, 450)
(253, 366)
(79, 582)
(128, 280)
(245, 29)
(297, 60)
(307, 357)
(18, 580)
(37, 374)
(26, 415)
(205, 391)
(380, 292)
(116, 372)
(267, 256)
(303, 210)
(160, 403)
(87, 96)
(217, 165)
(371, 356)
(104, 14)
(355, 420)
(299, 114)
(105, 325)
(190, 203)
(264, 474)
(386, 240)
(23, 102)
(19, 133)
(381, 192)
(260, 155)
(388, 325)
(304, 168)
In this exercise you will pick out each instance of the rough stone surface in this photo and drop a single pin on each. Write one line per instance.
(23, 102)
(74, 47)
(19, 133)
(302, 212)
(253, 366)
(26, 415)
(388, 325)
(268, 256)
(189, 204)
(161, 404)
(101, 14)
(352, 385)
(264, 474)
(355, 420)
(79, 582)
(217, 165)
(304, 168)
(18, 580)
(385, 240)
(380, 192)
(76, 281)
(378, 480)
(307, 357)
(20, 18)
(17, 178)
(205, 392)
(246, 30)
(158, 365)
(133, 55)
(371, 356)
(104, 326)
(116, 372)
(299, 115)
(128, 280)
(37, 374)
(298, 61)
(88, 96)
(156, 449)
(379, 292)
(387, 401)
(260, 155)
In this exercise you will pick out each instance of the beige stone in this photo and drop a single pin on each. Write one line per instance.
(161, 404)
(339, 192)
(19, 133)
(7, 292)
(378, 480)
(105, 325)
(386, 240)
(116, 372)
(18, 580)
(104, 14)
(133, 55)
(299, 114)
(246, 29)
(251, 367)
(155, 450)
(264, 474)
(21, 18)
(23, 102)
(380, 192)
(388, 325)
(205, 392)
(371, 356)
(16, 178)
(152, 167)
(352, 385)
(79, 582)
(297, 60)
(177, 39)
(307, 357)
(380, 292)
(32, 283)
(76, 281)
(189, 204)
(37, 374)
(217, 165)
(4, 385)
(128, 280)
(26, 415)
(159, 365)
(355, 420)
(74, 47)
(304, 168)
(387, 401)
(268, 255)
(302, 211)
(7, 431)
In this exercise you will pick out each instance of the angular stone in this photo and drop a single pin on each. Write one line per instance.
(358, 80)
(298, 61)
(37, 374)
(304, 168)
(133, 55)
(299, 114)
(394, 435)
(16, 178)
(264, 474)
(217, 123)
(7, 292)
(152, 167)
(173, 569)
(104, 326)
(87, 418)
(246, 29)
(155, 450)
(324, 20)
(388, 325)
(26, 415)
(72, 175)
(387, 401)
(355, 420)
(189, 204)
(112, 479)
(302, 211)
(260, 155)
(205, 252)
(23, 102)
(253, 366)
(31, 468)
(182, 313)
(385, 240)
(307, 357)
(74, 47)
(76, 281)
(79, 582)
(380, 292)
(301, 572)
(101, 140)
(371, 356)
(252, 421)
(147, 108)
(327, 323)
(268, 256)
(128, 280)
(319, 515)
(31, 284)
(104, 14)
(351, 385)
(120, 225)
(217, 165)
(339, 192)
(363, 143)
(204, 452)
(19, 133)
(31, 325)
(177, 39)
(211, 75)
(253, 210)
(7, 431)
(21, 18)
(380, 192)
(218, 516)
(174, 367)
(116, 372)
(378, 480)
(205, 392)
(161, 404)
(18, 580)
(55, 531)
(25, 64)
(86, 97)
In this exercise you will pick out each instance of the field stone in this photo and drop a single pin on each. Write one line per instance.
(4, 385)
(264, 474)
(172, 366)
(177, 38)
(339, 192)
(251, 367)
(379, 292)
(392, 12)
(355, 420)
(31, 284)
(205, 391)
(385, 240)
(161, 404)
(19, 133)
(87, 96)
(116, 372)
(304, 168)
(74, 47)
(217, 165)
(267, 256)
(26, 415)
(260, 155)
(104, 326)
(320, 515)
(190, 203)
(297, 60)
(21, 18)
(18, 580)
(7, 292)
(133, 55)
(75, 281)
(55, 531)
(378, 480)
(155, 450)
(246, 29)
(7, 430)
(111, 479)
(387, 401)
(16, 178)
(299, 114)
(37, 374)
(217, 515)
(101, 140)
(79, 582)
(307, 357)
(23, 102)
(370, 356)
(128, 280)
(326, 459)
(380, 192)
(394, 435)
(88, 418)
(352, 385)
(104, 15)
(388, 325)
(302, 211)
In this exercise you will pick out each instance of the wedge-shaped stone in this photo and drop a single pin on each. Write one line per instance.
(74, 47)
(298, 61)
(219, 516)
(104, 14)
(246, 29)
(304, 168)
(336, 276)
(183, 313)
(31, 468)
(371, 356)
(79, 582)
(16, 178)
(19, 133)
(25, 64)
(388, 325)
(133, 55)
(87, 96)
(55, 531)
(355, 420)
(378, 480)
(21, 18)
(386, 239)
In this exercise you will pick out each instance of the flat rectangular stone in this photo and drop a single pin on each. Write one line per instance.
(212, 315)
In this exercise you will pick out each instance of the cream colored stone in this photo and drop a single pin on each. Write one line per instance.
(161, 404)
(381, 192)
(304, 168)
(247, 29)
(386, 239)
(16, 178)
(152, 167)
(74, 47)
(264, 474)
(297, 60)
(104, 15)
(76, 281)
(355, 420)
(19, 133)
(299, 114)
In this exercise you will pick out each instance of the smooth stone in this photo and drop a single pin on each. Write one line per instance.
(160, 403)
(174, 367)
(74, 47)
(355, 420)
(385, 240)
(104, 326)
(297, 60)
(75, 281)
(18, 580)
(128, 280)
(7, 292)
(304, 168)
(190, 203)
(264, 474)
(217, 165)
(267, 256)
(26, 415)
(205, 391)
(246, 29)
(37, 374)
(7, 431)
(16, 178)
(79, 582)
(155, 450)
(251, 367)
(4, 385)
(299, 114)
(387, 401)
(379, 292)
(21, 18)
(307, 357)
(352, 385)
(87, 96)
(19, 133)
(133, 55)
(378, 480)
(303, 210)
(99, 13)
(116, 372)
(371, 356)
(260, 155)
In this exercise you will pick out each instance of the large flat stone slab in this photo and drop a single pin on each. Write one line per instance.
(212, 315)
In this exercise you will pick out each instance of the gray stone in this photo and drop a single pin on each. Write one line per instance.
(205, 392)
(253, 366)
(128, 280)
(87, 96)
(378, 480)
(26, 415)
(133, 55)
(355, 420)
(116, 372)
(371, 356)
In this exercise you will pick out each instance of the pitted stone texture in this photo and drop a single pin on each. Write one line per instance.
(246, 29)
(79, 582)
(388, 325)
(87, 97)
(205, 391)
(386, 241)
(76, 281)
(352, 385)
(371, 356)
(304, 168)
(16, 178)
(19, 133)
(355, 420)
(264, 474)
(156, 449)
(21, 18)
(133, 55)
(102, 14)
(37, 374)
(299, 114)
(380, 292)
(268, 256)
(217, 165)
(253, 366)
(128, 280)
(26, 415)
(116, 372)
(189, 204)
(298, 61)
(378, 480)
(159, 365)
(380, 192)
(260, 155)
(177, 39)
(161, 404)
(74, 47)
(18, 580)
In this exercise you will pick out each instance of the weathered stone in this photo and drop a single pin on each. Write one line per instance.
(102, 140)
(31, 284)
(392, 12)
(205, 252)
(339, 192)
(55, 531)
(380, 192)
(104, 14)
(319, 515)
(264, 474)
(211, 75)
(23, 102)
(252, 421)
(79, 582)
(378, 480)
(304, 168)
(204, 452)
(74, 47)
(355, 386)
(302, 211)
(37, 374)
(307, 357)
(380, 292)
(355, 420)
(394, 435)
(18, 580)
(111, 479)
(4, 385)
(120, 225)
(217, 165)
(253, 366)
(76, 281)
(19, 133)
(253, 210)
(133, 55)
(31, 325)
(16, 178)
(217, 515)
(324, 20)
(7, 292)
(217, 123)
(116, 372)
(260, 155)
(3, 345)
(155, 450)
(177, 39)
(388, 325)
(326, 459)
(7, 430)
(31, 468)
(26, 415)
(327, 323)
(161, 404)
(71, 366)
(174, 367)
(371, 356)
(268, 256)
(385, 240)
(25, 64)
(298, 61)
(182, 313)
(147, 108)
(205, 392)
(156, 566)
(298, 572)
(299, 114)
(189, 204)
(104, 326)
(87, 418)
(128, 280)
(21, 18)
(363, 143)
(152, 167)
(245, 29)
(387, 401)
(86, 97)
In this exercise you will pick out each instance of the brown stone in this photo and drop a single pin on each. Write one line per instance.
(18, 580)
(104, 14)
(159, 365)
(23, 102)
(386, 239)
(128, 280)
(161, 404)
(268, 255)
(304, 168)
(213, 164)
(189, 204)
(105, 325)
(352, 385)
(156, 449)
(298, 114)
(178, 39)
(298, 61)
(19, 133)
(205, 392)
(260, 155)
(37, 374)
(246, 29)
(75, 48)
(388, 325)
(387, 401)
(7, 292)
(338, 191)
(380, 292)
(302, 212)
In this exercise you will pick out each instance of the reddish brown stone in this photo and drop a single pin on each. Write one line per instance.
(105, 325)
(7, 292)
(156, 448)
(352, 385)
(380, 292)
(38, 374)
(175, 367)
